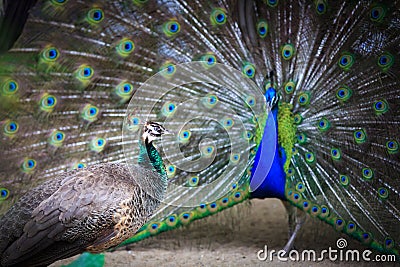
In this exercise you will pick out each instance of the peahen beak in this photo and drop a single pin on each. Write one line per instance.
(167, 132)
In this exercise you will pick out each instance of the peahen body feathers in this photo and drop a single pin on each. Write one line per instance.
(89, 209)
(307, 109)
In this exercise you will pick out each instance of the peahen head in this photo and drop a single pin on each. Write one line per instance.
(152, 131)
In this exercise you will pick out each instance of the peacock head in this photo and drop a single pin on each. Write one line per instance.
(153, 131)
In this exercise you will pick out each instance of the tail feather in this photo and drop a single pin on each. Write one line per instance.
(186, 216)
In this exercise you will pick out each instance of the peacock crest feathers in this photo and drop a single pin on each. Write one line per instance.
(66, 84)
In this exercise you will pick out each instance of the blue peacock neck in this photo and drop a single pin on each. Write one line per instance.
(273, 176)
(270, 177)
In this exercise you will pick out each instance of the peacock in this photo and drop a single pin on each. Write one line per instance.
(295, 100)
(88, 209)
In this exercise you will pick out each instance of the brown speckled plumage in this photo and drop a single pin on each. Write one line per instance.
(89, 209)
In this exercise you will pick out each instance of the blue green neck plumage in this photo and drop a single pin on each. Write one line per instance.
(149, 157)
(268, 176)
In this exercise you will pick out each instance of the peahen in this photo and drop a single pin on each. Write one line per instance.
(89, 209)
(321, 120)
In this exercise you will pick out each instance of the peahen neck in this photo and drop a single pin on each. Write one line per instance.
(149, 157)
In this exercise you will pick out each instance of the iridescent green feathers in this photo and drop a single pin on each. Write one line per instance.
(346, 112)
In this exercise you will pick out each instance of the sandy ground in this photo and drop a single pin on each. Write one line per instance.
(233, 238)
